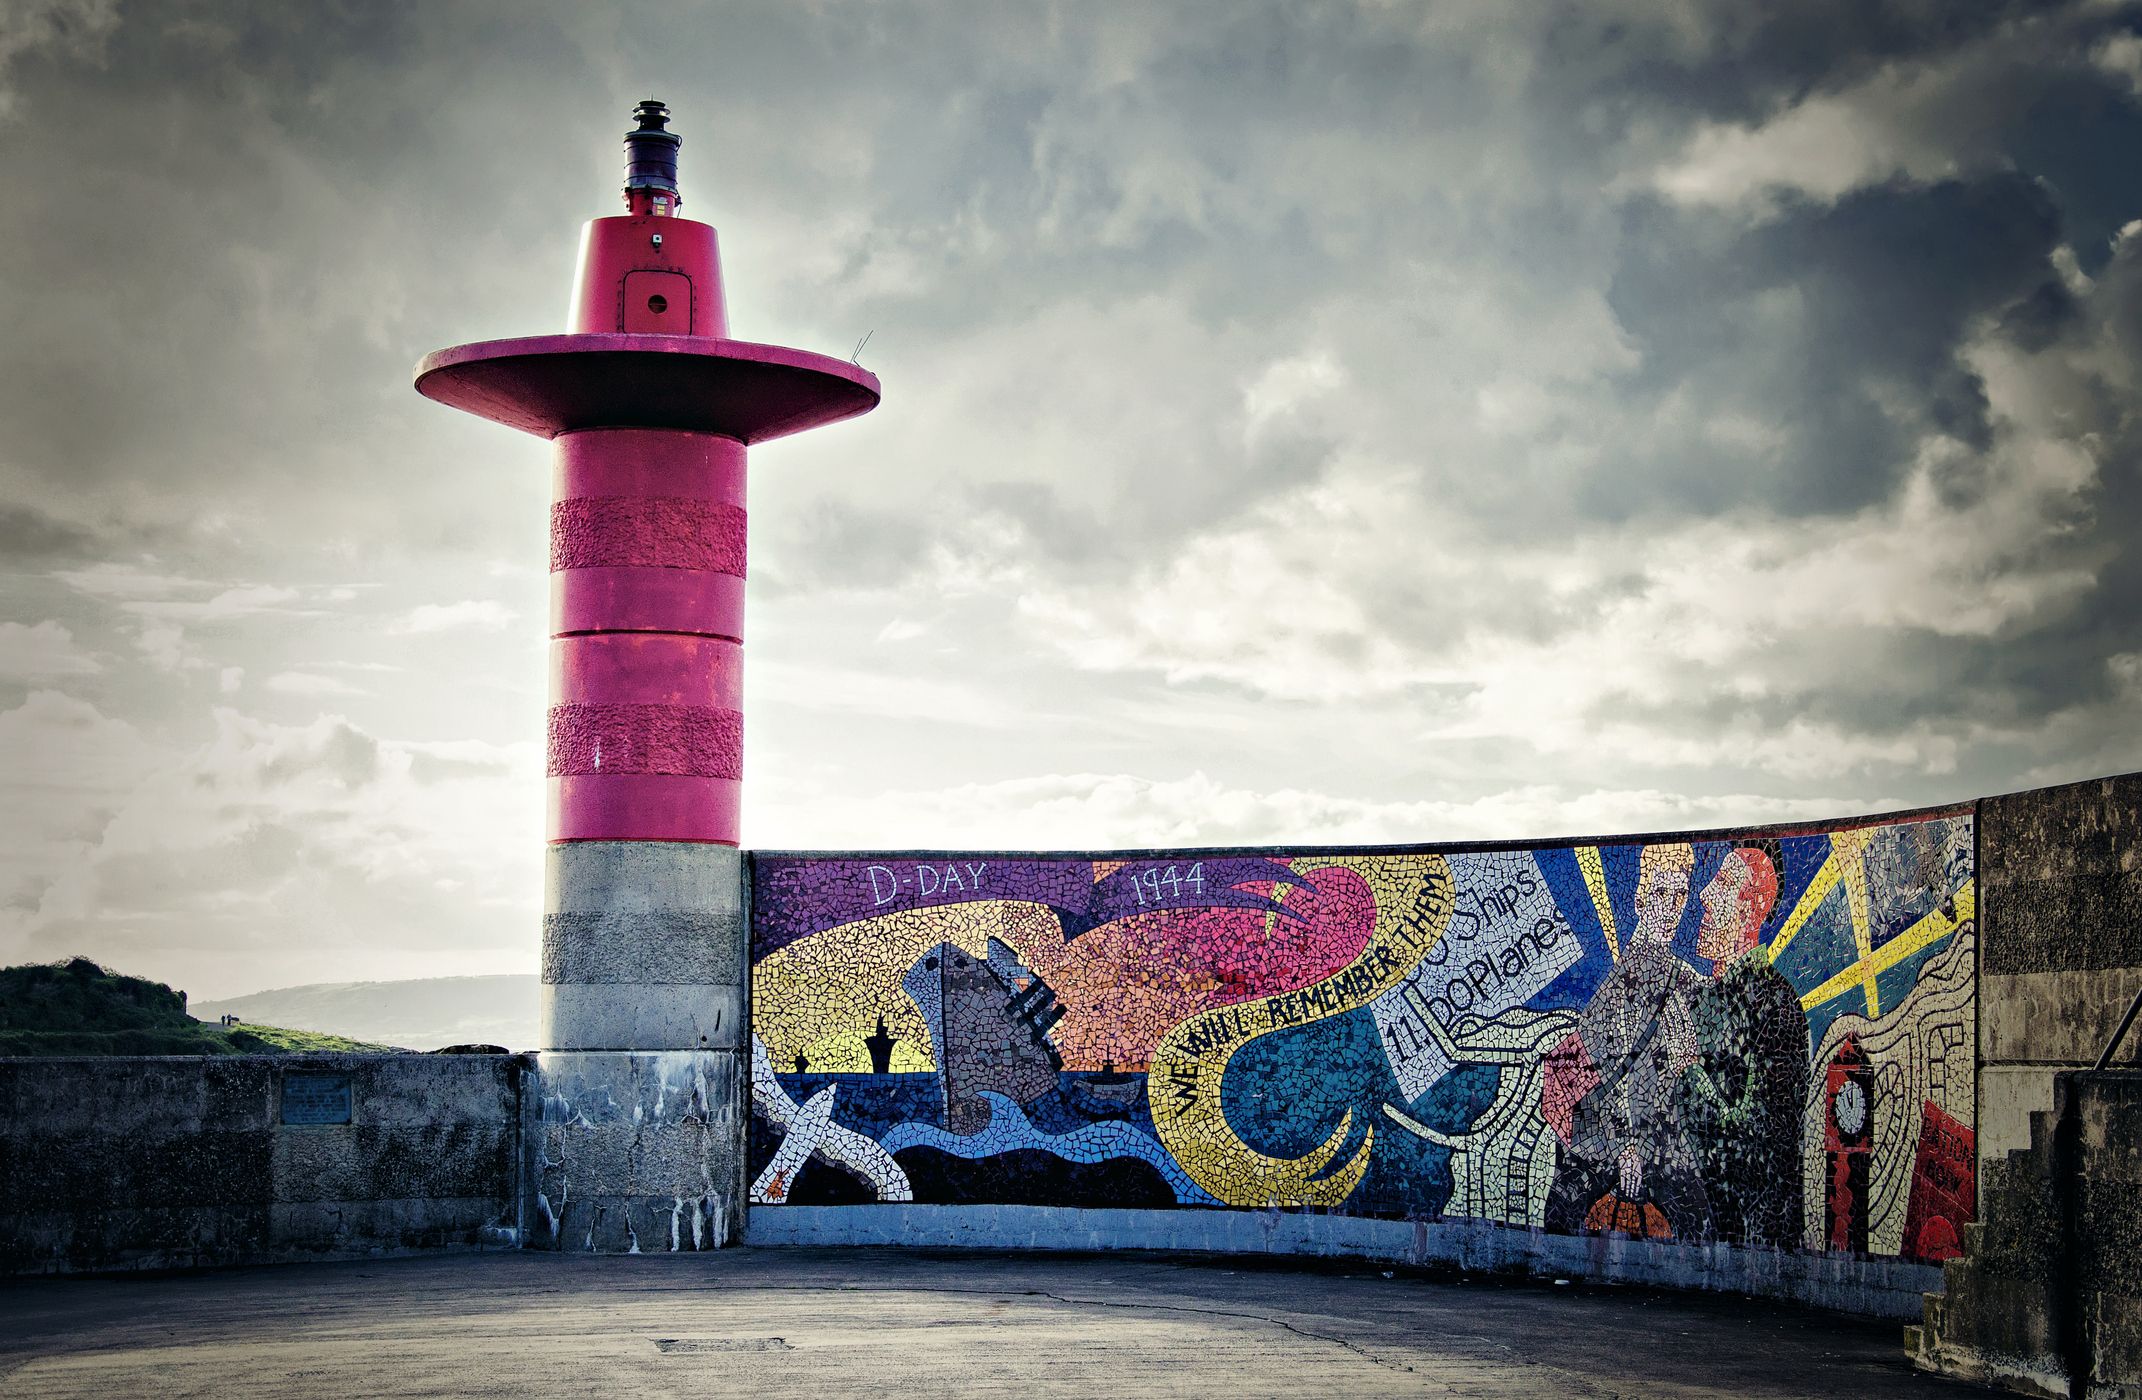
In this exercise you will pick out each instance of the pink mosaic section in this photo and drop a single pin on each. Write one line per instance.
(1124, 984)
(665, 532)
(675, 740)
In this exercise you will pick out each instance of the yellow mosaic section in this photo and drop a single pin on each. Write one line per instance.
(1846, 865)
(1923, 934)
(1595, 885)
(821, 995)
(1414, 899)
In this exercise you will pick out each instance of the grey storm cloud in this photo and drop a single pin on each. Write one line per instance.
(1482, 410)
(1888, 281)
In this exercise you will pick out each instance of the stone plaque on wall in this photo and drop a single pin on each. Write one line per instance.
(316, 1099)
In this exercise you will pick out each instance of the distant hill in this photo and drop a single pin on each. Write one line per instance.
(79, 1008)
(423, 1014)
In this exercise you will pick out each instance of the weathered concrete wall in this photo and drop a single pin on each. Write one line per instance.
(2048, 1287)
(643, 946)
(127, 1163)
(637, 1137)
(635, 1154)
(2062, 924)
(2106, 1231)
(2051, 1288)
(1844, 1283)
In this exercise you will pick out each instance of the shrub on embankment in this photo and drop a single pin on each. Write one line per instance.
(80, 1008)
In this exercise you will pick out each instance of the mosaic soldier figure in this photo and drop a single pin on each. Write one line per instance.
(1739, 1103)
(1626, 1165)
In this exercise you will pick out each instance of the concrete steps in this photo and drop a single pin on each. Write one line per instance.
(1984, 1293)
(2046, 1298)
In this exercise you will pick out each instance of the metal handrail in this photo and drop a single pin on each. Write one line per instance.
(2112, 1046)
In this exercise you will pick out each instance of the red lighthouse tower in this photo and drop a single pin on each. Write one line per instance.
(649, 407)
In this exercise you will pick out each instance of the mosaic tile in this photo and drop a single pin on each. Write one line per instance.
(1762, 1039)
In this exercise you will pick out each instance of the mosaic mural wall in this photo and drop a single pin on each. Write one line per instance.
(1766, 1039)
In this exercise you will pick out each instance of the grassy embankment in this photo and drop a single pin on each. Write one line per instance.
(79, 1008)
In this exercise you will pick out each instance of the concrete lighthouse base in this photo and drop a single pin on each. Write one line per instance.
(638, 1143)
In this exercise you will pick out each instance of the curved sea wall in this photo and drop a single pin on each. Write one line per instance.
(1728, 1059)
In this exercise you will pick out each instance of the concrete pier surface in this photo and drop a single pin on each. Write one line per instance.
(806, 1323)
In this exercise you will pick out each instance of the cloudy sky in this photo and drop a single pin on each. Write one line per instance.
(1302, 422)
